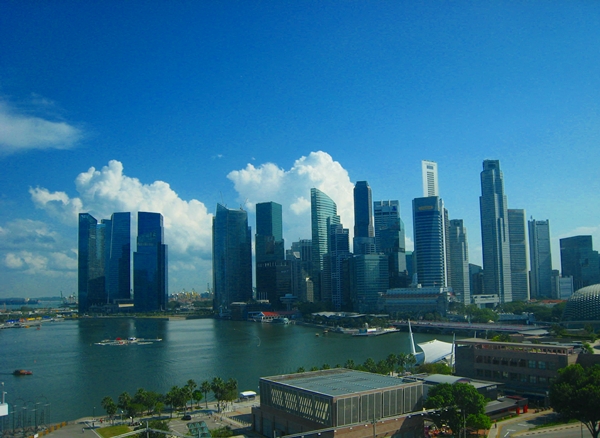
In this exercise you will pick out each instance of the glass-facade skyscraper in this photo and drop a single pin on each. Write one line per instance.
(273, 271)
(91, 261)
(579, 260)
(118, 260)
(519, 269)
(390, 238)
(323, 212)
(150, 279)
(459, 259)
(540, 259)
(364, 232)
(232, 258)
(494, 232)
(430, 241)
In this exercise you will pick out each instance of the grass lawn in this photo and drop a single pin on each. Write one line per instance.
(110, 431)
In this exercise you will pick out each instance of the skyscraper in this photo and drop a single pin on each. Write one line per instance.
(368, 280)
(232, 258)
(301, 256)
(459, 259)
(364, 233)
(579, 260)
(323, 212)
(273, 272)
(390, 240)
(519, 269)
(338, 251)
(430, 178)
(150, 277)
(494, 232)
(91, 260)
(540, 258)
(118, 276)
(430, 246)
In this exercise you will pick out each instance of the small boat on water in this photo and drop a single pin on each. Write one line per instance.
(22, 373)
(128, 341)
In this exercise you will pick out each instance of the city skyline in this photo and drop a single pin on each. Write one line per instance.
(175, 109)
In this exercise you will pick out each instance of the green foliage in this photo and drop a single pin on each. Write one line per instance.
(576, 394)
(502, 337)
(222, 432)
(109, 406)
(205, 388)
(457, 404)
(434, 368)
(154, 424)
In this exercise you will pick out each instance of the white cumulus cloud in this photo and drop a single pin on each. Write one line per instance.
(291, 189)
(22, 131)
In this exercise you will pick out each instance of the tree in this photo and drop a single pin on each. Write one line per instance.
(205, 388)
(457, 405)
(109, 406)
(156, 425)
(189, 391)
(575, 394)
(434, 368)
(217, 386)
(197, 396)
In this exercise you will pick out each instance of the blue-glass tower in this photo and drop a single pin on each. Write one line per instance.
(390, 240)
(150, 264)
(232, 258)
(323, 212)
(91, 261)
(364, 232)
(430, 247)
(118, 264)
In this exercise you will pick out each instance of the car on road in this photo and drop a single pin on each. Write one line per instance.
(186, 417)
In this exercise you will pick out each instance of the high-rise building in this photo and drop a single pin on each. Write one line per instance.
(323, 212)
(118, 272)
(150, 261)
(519, 269)
(390, 240)
(430, 238)
(232, 258)
(91, 260)
(430, 178)
(459, 261)
(338, 251)
(540, 259)
(476, 279)
(300, 254)
(494, 232)
(273, 271)
(364, 233)
(368, 281)
(579, 260)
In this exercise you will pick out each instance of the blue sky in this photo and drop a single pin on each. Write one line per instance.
(175, 106)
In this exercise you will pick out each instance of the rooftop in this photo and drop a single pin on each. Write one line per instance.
(337, 381)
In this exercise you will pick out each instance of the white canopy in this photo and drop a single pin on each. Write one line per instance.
(435, 351)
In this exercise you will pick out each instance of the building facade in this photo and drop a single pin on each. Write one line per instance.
(323, 212)
(429, 171)
(579, 260)
(519, 269)
(118, 261)
(150, 261)
(390, 237)
(459, 260)
(494, 232)
(430, 241)
(369, 280)
(338, 251)
(232, 258)
(364, 231)
(540, 259)
(90, 263)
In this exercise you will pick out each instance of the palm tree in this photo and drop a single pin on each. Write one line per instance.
(205, 388)
(189, 390)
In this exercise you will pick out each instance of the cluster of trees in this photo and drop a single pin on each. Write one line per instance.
(177, 398)
(393, 363)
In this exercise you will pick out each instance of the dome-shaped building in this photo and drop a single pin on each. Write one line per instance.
(584, 305)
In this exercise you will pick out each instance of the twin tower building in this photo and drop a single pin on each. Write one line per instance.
(104, 268)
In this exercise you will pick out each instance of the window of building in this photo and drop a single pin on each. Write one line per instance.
(479, 373)
(488, 373)
(522, 363)
(533, 364)
(542, 365)
(542, 379)
(496, 361)
(532, 379)
(524, 378)
(513, 376)
(551, 365)
(504, 362)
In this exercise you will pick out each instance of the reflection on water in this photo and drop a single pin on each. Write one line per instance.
(74, 374)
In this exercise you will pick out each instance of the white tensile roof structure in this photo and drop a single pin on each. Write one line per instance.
(432, 351)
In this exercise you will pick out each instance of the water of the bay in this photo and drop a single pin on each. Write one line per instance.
(73, 374)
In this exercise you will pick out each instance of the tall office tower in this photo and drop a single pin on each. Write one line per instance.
(494, 232)
(579, 260)
(390, 240)
(540, 258)
(150, 264)
(91, 260)
(338, 251)
(322, 211)
(476, 279)
(368, 280)
(460, 280)
(364, 233)
(301, 254)
(232, 258)
(519, 269)
(430, 237)
(118, 260)
(273, 271)
(430, 178)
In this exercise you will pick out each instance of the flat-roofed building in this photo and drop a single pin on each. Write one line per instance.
(339, 402)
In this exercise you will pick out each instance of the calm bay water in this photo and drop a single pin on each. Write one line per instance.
(73, 374)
